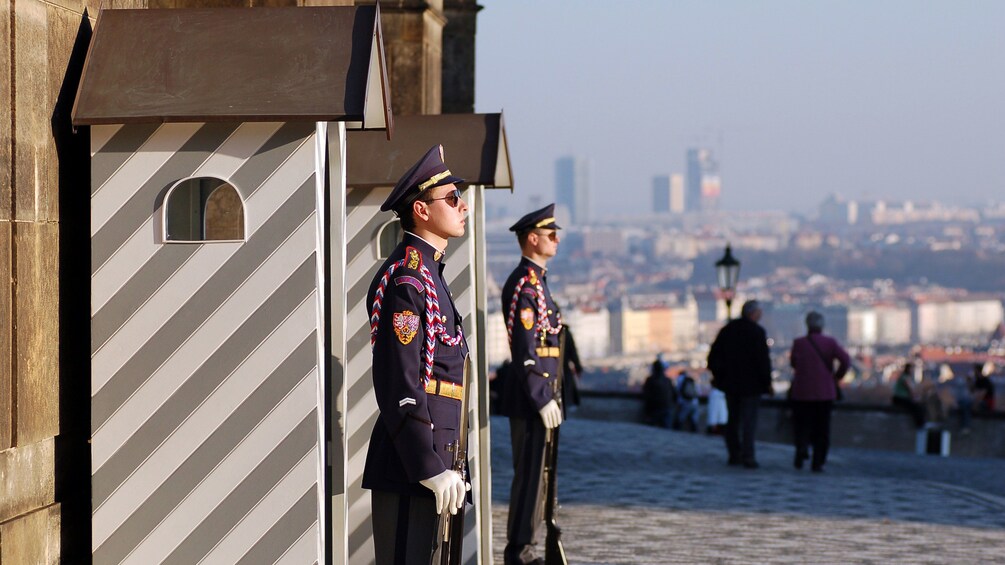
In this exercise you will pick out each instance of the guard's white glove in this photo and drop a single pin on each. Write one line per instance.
(551, 414)
(449, 489)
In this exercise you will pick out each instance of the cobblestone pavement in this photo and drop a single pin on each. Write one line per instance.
(635, 494)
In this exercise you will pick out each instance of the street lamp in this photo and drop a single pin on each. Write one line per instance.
(727, 271)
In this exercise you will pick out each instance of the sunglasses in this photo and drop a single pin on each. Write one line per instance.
(552, 235)
(452, 198)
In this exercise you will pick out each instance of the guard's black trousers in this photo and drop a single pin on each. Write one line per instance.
(403, 528)
(526, 510)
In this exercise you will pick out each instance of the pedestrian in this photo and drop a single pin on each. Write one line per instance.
(534, 324)
(904, 397)
(814, 389)
(687, 401)
(984, 390)
(418, 356)
(741, 367)
(717, 415)
(961, 388)
(659, 396)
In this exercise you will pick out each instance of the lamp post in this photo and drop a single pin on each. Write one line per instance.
(727, 272)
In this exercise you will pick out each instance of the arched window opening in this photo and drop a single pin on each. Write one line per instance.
(388, 238)
(204, 209)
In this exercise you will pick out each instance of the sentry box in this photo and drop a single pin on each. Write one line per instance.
(217, 137)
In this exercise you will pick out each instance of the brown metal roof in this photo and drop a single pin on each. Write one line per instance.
(474, 147)
(236, 64)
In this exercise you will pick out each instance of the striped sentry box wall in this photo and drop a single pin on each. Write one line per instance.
(206, 357)
(364, 221)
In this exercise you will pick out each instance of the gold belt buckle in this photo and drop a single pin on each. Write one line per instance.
(550, 351)
(444, 388)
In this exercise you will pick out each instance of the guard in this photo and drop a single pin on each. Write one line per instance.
(533, 323)
(418, 356)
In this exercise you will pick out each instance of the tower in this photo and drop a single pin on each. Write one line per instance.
(661, 194)
(572, 187)
(704, 184)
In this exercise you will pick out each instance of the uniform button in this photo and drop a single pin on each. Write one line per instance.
(546, 375)
(550, 312)
(443, 319)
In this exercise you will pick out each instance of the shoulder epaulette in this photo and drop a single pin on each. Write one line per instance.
(413, 259)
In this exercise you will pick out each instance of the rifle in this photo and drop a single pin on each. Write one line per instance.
(449, 541)
(554, 551)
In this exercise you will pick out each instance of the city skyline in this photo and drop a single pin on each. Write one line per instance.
(897, 100)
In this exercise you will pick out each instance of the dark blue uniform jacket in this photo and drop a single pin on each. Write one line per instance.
(529, 384)
(409, 438)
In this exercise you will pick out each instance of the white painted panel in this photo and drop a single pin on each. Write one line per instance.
(266, 513)
(198, 427)
(202, 344)
(143, 164)
(236, 150)
(143, 243)
(301, 552)
(234, 469)
(100, 134)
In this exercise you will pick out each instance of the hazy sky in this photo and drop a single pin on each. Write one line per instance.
(799, 99)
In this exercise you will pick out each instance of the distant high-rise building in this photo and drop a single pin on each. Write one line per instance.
(703, 182)
(677, 194)
(668, 194)
(572, 187)
(836, 211)
(661, 194)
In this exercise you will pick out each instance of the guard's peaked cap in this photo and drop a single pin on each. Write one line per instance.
(427, 173)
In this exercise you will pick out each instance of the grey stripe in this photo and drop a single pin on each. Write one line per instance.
(359, 439)
(129, 298)
(202, 383)
(208, 455)
(354, 197)
(461, 283)
(356, 297)
(245, 496)
(134, 212)
(279, 147)
(360, 537)
(365, 238)
(358, 390)
(300, 519)
(251, 175)
(469, 545)
(359, 343)
(173, 332)
(117, 151)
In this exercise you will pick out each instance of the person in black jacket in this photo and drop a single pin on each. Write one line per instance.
(659, 397)
(741, 367)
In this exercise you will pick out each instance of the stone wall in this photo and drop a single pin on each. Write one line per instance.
(853, 425)
(43, 313)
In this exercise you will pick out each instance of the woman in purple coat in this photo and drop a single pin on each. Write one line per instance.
(814, 389)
